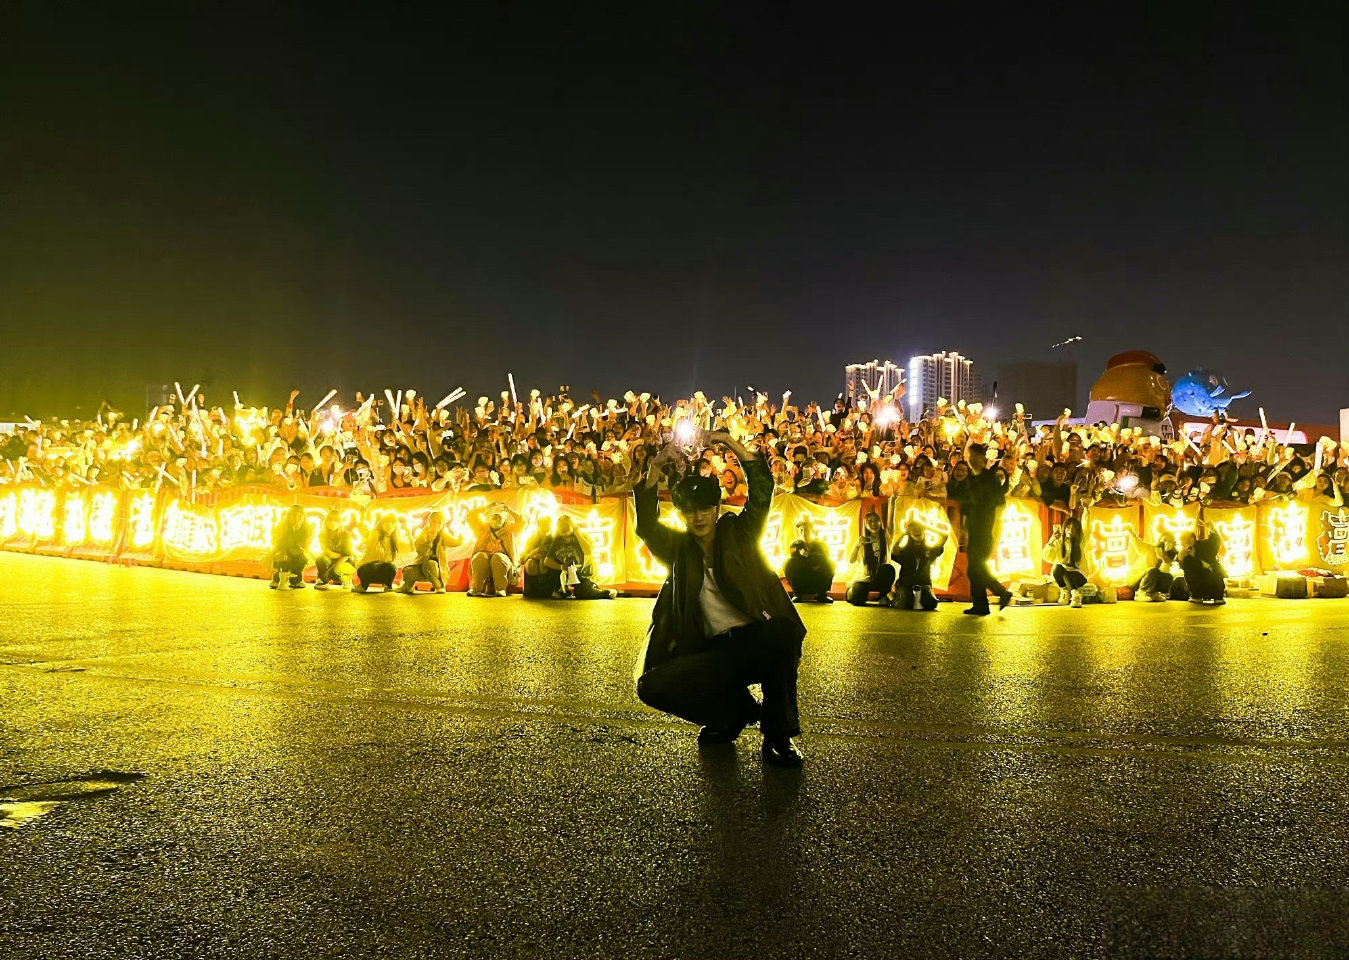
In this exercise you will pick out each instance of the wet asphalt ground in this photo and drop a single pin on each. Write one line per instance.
(198, 766)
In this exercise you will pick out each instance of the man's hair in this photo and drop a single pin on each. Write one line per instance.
(695, 492)
(978, 448)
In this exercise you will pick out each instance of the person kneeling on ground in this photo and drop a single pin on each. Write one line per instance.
(336, 559)
(290, 549)
(1063, 553)
(1160, 583)
(539, 582)
(914, 556)
(722, 620)
(870, 550)
(382, 547)
(432, 542)
(1204, 574)
(808, 569)
(492, 568)
(570, 560)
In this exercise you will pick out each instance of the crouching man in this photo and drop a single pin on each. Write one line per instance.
(722, 620)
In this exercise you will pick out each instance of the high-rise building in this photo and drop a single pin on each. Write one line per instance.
(1043, 387)
(859, 378)
(946, 374)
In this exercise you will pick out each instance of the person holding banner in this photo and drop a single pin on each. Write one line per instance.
(722, 620)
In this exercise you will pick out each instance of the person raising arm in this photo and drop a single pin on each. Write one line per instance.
(722, 620)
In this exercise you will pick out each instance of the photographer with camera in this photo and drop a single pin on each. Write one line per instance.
(722, 620)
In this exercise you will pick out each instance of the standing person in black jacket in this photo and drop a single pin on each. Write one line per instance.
(722, 620)
(984, 496)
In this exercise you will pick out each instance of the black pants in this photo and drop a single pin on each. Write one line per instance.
(880, 581)
(1068, 579)
(982, 581)
(372, 573)
(808, 577)
(1204, 583)
(710, 688)
(540, 585)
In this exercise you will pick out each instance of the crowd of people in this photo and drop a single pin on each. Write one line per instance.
(850, 449)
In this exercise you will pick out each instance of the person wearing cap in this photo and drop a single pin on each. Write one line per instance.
(914, 556)
(492, 567)
(722, 620)
(809, 569)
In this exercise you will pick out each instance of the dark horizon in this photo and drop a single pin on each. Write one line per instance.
(668, 199)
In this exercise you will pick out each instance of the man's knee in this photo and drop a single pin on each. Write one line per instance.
(858, 593)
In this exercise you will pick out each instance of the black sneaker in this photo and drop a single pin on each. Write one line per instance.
(716, 736)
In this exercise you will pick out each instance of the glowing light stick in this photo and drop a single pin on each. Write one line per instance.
(510, 378)
(450, 397)
(1288, 437)
(1264, 424)
(236, 399)
(326, 397)
(388, 395)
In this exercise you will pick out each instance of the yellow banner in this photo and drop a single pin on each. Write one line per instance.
(933, 514)
(1236, 526)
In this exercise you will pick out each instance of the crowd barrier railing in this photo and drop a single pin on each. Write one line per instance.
(230, 532)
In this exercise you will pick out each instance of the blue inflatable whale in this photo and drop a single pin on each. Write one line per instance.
(1200, 393)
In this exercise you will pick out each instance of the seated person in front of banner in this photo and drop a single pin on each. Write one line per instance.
(379, 559)
(570, 561)
(431, 543)
(539, 582)
(1063, 553)
(1204, 574)
(914, 557)
(290, 549)
(492, 569)
(809, 570)
(337, 555)
(722, 620)
(870, 551)
(1160, 583)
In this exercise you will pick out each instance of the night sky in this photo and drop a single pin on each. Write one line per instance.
(667, 196)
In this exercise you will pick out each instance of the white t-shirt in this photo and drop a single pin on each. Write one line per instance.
(719, 614)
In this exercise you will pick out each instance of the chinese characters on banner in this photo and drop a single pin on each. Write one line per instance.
(237, 528)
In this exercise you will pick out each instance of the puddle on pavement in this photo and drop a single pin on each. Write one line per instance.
(24, 803)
